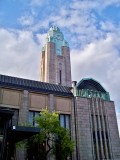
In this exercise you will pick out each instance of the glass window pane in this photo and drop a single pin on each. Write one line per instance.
(62, 120)
(67, 121)
(31, 118)
(36, 115)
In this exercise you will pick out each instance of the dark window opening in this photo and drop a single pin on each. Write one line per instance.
(60, 77)
(14, 120)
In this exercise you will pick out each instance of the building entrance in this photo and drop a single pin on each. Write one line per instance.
(5, 116)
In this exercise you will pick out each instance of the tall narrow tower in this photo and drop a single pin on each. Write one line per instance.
(55, 64)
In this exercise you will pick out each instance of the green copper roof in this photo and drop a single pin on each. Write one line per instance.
(55, 35)
(90, 83)
(89, 87)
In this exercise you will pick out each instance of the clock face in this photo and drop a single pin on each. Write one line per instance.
(58, 37)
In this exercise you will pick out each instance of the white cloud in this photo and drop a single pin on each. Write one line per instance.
(41, 39)
(40, 25)
(100, 60)
(112, 2)
(90, 4)
(77, 18)
(26, 20)
(107, 25)
(100, 55)
(19, 54)
(84, 5)
(38, 2)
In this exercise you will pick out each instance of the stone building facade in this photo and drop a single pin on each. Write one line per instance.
(97, 130)
(27, 98)
(85, 108)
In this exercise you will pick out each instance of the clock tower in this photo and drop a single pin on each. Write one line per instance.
(55, 64)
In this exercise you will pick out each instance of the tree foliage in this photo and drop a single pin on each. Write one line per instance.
(55, 138)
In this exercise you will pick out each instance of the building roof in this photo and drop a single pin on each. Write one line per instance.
(90, 83)
(32, 85)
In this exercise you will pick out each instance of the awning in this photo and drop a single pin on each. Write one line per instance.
(19, 133)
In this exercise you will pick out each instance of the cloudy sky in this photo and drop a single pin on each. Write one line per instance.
(91, 27)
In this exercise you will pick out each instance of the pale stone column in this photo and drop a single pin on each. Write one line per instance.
(99, 127)
(24, 109)
(51, 107)
(51, 103)
(67, 73)
(42, 66)
(103, 125)
(74, 129)
(50, 63)
(95, 125)
(23, 118)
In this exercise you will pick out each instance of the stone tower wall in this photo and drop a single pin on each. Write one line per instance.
(55, 66)
(52, 64)
(66, 54)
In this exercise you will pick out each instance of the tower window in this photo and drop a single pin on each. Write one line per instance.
(60, 77)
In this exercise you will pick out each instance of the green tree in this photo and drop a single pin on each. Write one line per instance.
(55, 138)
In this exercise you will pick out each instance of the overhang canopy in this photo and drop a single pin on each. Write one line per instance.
(19, 133)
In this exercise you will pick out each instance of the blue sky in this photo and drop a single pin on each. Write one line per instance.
(92, 29)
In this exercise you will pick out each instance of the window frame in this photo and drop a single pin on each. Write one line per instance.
(34, 114)
(65, 121)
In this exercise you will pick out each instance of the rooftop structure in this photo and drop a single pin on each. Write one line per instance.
(91, 88)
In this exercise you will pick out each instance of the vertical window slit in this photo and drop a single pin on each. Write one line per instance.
(60, 77)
